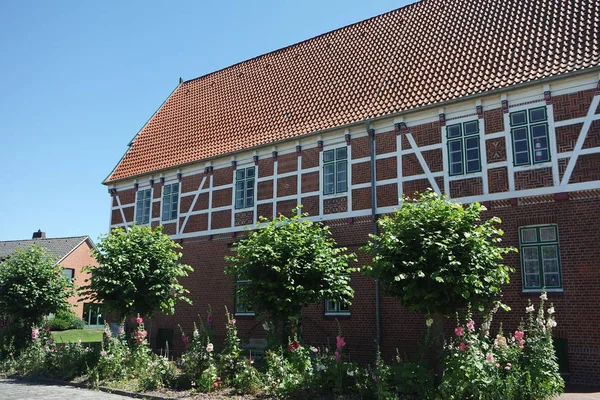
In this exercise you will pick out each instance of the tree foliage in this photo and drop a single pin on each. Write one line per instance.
(437, 257)
(138, 272)
(289, 263)
(32, 286)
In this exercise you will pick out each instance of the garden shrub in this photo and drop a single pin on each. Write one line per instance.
(197, 360)
(412, 380)
(65, 319)
(521, 365)
(111, 363)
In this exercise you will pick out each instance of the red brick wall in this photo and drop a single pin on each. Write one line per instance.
(494, 120)
(76, 260)
(573, 105)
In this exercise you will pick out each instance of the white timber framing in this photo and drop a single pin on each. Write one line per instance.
(530, 98)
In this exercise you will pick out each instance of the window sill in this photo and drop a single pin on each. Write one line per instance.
(171, 221)
(245, 209)
(337, 314)
(245, 314)
(557, 290)
(335, 195)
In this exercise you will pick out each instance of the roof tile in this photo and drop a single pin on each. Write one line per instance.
(429, 52)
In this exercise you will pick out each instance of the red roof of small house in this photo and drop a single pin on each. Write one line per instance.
(429, 52)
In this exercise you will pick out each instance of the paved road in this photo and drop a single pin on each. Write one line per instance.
(19, 390)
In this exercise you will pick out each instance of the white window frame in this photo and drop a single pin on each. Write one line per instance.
(171, 202)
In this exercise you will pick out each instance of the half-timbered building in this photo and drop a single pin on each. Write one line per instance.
(495, 102)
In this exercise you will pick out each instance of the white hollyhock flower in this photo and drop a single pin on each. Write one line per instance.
(551, 310)
(543, 296)
(429, 322)
(529, 309)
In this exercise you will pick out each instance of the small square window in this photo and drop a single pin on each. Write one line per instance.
(454, 131)
(68, 273)
(471, 127)
(537, 115)
(518, 118)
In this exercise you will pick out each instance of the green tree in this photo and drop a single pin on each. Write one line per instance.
(138, 272)
(289, 263)
(32, 286)
(438, 257)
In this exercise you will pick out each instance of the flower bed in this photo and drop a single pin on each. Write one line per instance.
(479, 364)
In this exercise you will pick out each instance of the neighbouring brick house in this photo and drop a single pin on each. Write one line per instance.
(496, 102)
(72, 253)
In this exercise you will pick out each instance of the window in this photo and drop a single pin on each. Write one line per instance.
(540, 260)
(337, 306)
(529, 130)
(241, 307)
(335, 175)
(463, 148)
(244, 187)
(68, 273)
(92, 315)
(170, 201)
(142, 206)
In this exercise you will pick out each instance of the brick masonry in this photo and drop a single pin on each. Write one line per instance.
(401, 328)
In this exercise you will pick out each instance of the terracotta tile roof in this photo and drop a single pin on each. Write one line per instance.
(425, 53)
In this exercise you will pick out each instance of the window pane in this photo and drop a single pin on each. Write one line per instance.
(328, 156)
(473, 166)
(453, 131)
(528, 235)
(341, 153)
(167, 190)
(341, 176)
(329, 306)
(328, 179)
(552, 280)
(240, 174)
(471, 127)
(532, 281)
(455, 157)
(250, 172)
(530, 254)
(518, 118)
(239, 194)
(519, 134)
(522, 158)
(455, 146)
(537, 114)
(548, 234)
(250, 193)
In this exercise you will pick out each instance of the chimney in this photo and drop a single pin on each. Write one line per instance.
(39, 235)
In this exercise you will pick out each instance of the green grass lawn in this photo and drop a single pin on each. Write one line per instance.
(73, 335)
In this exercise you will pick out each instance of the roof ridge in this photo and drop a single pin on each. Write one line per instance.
(282, 49)
(53, 238)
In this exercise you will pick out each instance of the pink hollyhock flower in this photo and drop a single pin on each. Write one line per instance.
(337, 355)
(519, 335)
(103, 353)
(185, 340)
(218, 379)
(215, 385)
(340, 342)
(459, 331)
(35, 333)
(489, 357)
(314, 350)
(471, 325)
(521, 342)
(497, 365)
(507, 368)
(210, 347)
(290, 347)
(209, 319)
(462, 346)
(296, 344)
(233, 321)
(139, 320)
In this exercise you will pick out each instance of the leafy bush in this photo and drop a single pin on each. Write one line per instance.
(67, 361)
(506, 366)
(64, 320)
(111, 363)
(197, 360)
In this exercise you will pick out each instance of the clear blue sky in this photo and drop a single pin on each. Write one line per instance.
(78, 79)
